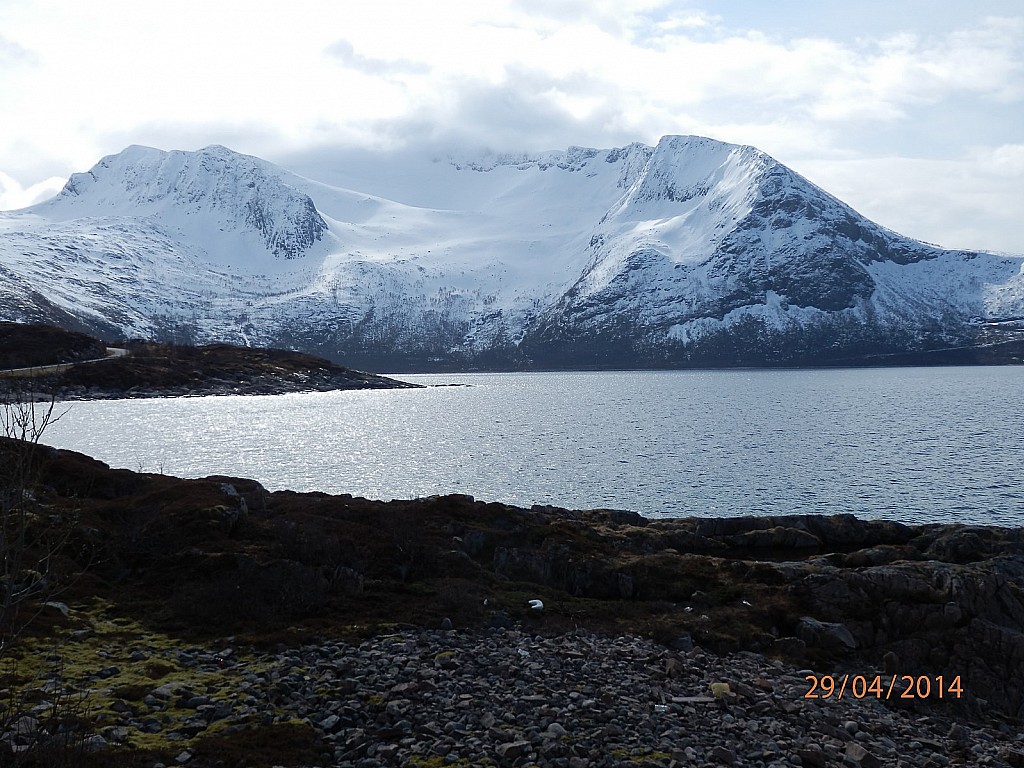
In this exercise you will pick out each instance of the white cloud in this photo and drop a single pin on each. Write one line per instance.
(14, 196)
(13, 55)
(1006, 160)
(968, 203)
(346, 54)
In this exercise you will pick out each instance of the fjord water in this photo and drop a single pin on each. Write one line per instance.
(908, 444)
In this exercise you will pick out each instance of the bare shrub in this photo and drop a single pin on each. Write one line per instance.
(32, 538)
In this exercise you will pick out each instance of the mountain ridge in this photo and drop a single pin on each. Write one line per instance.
(691, 252)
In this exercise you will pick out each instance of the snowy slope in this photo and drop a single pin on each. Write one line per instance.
(688, 252)
(236, 204)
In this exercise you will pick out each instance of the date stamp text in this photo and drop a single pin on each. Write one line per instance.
(883, 687)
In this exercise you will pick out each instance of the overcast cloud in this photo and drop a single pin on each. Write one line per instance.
(910, 111)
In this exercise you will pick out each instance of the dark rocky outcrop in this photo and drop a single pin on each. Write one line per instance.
(165, 370)
(23, 345)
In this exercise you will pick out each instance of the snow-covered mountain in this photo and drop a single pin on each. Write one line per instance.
(691, 252)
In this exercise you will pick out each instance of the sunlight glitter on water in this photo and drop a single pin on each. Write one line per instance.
(910, 444)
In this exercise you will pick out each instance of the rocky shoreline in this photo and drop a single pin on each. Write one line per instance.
(299, 382)
(204, 618)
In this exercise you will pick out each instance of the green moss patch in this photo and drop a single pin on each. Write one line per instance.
(288, 743)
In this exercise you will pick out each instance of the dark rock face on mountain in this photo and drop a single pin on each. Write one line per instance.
(690, 253)
(291, 239)
(221, 556)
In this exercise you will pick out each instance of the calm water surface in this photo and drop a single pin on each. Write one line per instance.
(911, 444)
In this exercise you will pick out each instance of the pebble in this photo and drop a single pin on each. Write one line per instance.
(506, 697)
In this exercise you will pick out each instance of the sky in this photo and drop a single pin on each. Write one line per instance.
(911, 111)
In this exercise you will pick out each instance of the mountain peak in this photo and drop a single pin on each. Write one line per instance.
(680, 169)
(219, 189)
(220, 149)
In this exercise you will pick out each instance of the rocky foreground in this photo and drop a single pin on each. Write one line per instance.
(508, 697)
(209, 622)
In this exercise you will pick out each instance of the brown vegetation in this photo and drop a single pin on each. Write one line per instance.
(24, 345)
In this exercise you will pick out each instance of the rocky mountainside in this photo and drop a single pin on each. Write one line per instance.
(692, 252)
